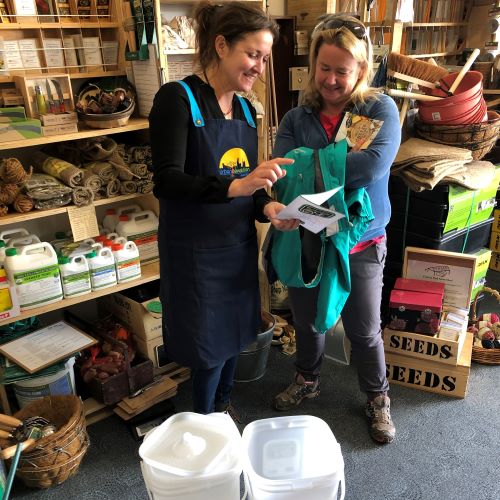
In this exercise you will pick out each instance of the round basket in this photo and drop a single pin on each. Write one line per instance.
(485, 68)
(479, 138)
(56, 457)
(110, 120)
(480, 354)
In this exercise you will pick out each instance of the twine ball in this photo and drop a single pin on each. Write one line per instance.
(3, 209)
(23, 203)
(484, 323)
(8, 193)
(487, 344)
(473, 329)
(496, 329)
(486, 333)
(12, 171)
(491, 317)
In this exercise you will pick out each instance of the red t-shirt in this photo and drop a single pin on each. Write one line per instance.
(330, 124)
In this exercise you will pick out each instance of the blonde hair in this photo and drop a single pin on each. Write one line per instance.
(360, 49)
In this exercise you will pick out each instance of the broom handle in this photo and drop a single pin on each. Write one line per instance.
(464, 70)
(412, 95)
(9, 421)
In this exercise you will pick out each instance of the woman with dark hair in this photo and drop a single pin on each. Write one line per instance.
(211, 191)
(339, 82)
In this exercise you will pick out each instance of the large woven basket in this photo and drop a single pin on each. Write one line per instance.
(56, 457)
(480, 354)
(479, 138)
(486, 69)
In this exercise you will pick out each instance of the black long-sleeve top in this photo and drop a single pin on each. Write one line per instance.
(169, 123)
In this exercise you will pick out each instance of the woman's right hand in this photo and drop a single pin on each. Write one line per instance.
(263, 177)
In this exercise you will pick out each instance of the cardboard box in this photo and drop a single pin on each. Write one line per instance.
(154, 350)
(495, 241)
(419, 286)
(18, 131)
(495, 261)
(67, 128)
(12, 114)
(430, 376)
(415, 311)
(140, 317)
(112, 389)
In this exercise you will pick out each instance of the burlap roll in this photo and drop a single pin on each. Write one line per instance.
(144, 187)
(103, 169)
(113, 188)
(91, 180)
(82, 196)
(128, 187)
(139, 169)
(66, 172)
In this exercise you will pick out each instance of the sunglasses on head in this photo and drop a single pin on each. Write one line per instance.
(357, 30)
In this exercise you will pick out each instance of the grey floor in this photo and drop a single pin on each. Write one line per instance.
(445, 448)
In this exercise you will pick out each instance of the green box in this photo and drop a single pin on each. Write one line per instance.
(12, 114)
(17, 131)
(467, 207)
(483, 257)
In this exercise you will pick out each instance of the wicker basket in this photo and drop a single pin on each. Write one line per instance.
(486, 68)
(56, 457)
(480, 354)
(479, 138)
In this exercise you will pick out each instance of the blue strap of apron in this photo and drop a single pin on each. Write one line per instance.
(246, 111)
(195, 109)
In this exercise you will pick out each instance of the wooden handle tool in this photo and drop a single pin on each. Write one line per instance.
(11, 450)
(464, 70)
(412, 95)
(7, 421)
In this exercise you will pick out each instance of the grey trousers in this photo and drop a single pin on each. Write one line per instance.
(360, 317)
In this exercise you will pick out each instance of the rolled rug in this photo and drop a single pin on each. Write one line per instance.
(103, 169)
(66, 172)
(140, 169)
(128, 187)
(91, 180)
(144, 187)
(82, 196)
(113, 188)
(100, 194)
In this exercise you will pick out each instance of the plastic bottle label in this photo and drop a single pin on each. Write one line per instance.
(147, 244)
(102, 276)
(38, 286)
(76, 283)
(5, 299)
(127, 269)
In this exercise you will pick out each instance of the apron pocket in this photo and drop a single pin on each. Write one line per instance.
(223, 272)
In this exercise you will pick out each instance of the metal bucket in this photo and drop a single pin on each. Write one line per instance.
(252, 361)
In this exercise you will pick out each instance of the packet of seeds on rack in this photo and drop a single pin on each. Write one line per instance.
(358, 130)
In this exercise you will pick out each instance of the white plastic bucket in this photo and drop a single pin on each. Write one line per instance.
(193, 457)
(58, 384)
(292, 458)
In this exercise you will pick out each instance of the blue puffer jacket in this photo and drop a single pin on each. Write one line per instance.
(330, 264)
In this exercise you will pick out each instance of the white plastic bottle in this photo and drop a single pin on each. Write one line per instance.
(5, 298)
(15, 232)
(102, 268)
(2, 253)
(22, 241)
(142, 229)
(34, 271)
(127, 262)
(75, 276)
(110, 219)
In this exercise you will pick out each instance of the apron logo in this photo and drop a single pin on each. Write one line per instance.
(234, 163)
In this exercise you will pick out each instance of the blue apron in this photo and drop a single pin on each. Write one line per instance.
(208, 251)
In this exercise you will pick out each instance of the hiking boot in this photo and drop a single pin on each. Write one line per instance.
(230, 410)
(378, 411)
(296, 392)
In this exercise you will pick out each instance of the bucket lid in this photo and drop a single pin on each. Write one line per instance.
(190, 444)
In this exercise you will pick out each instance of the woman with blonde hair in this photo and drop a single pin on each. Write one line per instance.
(339, 82)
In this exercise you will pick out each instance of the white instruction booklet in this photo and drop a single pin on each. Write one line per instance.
(307, 208)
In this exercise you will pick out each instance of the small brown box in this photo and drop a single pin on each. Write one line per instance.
(112, 389)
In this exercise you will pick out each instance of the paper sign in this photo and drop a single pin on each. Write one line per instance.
(307, 208)
(46, 346)
(83, 222)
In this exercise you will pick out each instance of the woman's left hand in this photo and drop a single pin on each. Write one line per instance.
(271, 211)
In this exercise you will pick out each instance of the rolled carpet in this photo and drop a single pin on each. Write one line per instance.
(82, 196)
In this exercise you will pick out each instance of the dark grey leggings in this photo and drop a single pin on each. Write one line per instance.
(360, 316)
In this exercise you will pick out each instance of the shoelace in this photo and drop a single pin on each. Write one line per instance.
(381, 413)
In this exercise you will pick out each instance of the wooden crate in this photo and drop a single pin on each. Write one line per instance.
(423, 347)
(308, 11)
(26, 85)
(430, 376)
